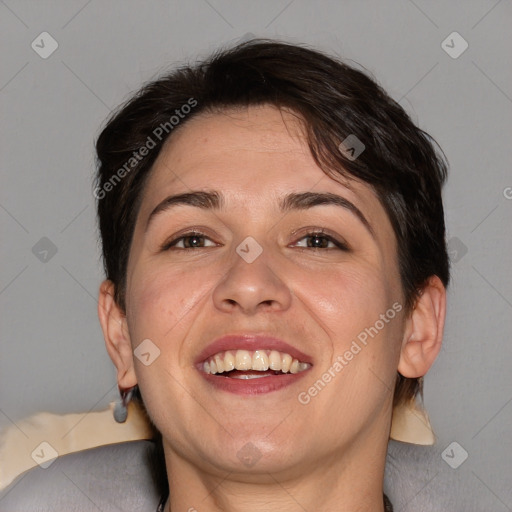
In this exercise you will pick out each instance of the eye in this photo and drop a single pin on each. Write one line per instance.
(191, 240)
(197, 240)
(320, 240)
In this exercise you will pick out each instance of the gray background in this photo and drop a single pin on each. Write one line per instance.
(52, 349)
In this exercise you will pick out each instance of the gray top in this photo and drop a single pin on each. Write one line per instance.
(118, 478)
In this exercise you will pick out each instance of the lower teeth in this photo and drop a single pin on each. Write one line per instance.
(249, 376)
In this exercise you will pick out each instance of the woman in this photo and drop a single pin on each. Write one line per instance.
(274, 248)
(279, 258)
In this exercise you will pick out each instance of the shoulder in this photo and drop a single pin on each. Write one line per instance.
(418, 479)
(119, 478)
(112, 478)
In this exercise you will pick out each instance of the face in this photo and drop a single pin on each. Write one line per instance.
(306, 293)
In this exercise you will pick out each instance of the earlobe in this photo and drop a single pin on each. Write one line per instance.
(115, 331)
(424, 330)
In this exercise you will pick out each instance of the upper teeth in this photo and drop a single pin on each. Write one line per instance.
(260, 360)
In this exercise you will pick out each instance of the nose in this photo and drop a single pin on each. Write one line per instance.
(252, 287)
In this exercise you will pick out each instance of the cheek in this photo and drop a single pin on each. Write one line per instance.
(159, 300)
(356, 306)
(349, 293)
(161, 307)
(151, 305)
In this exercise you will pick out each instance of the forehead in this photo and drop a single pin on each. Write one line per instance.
(259, 149)
(254, 158)
(264, 131)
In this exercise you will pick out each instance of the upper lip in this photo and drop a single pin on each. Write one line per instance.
(251, 342)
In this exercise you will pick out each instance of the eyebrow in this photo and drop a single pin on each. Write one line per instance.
(214, 200)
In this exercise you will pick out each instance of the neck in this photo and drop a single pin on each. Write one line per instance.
(345, 482)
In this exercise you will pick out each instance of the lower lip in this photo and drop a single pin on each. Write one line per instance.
(256, 386)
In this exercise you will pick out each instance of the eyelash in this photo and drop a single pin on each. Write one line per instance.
(318, 234)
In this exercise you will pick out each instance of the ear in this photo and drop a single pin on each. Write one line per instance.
(424, 330)
(115, 331)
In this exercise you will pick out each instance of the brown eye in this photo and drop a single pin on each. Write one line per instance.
(192, 240)
(320, 240)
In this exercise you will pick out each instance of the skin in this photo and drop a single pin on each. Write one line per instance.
(329, 454)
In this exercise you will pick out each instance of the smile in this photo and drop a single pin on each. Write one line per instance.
(246, 364)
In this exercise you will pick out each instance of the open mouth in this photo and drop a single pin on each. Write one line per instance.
(252, 364)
